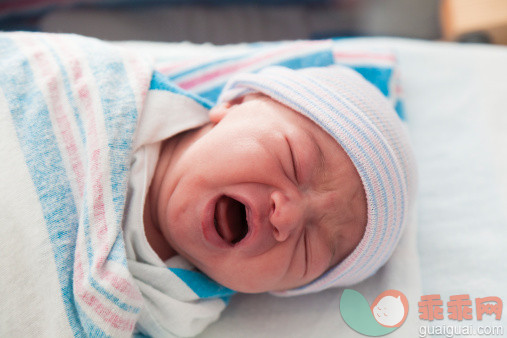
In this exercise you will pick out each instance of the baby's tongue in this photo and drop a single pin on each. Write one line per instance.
(228, 218)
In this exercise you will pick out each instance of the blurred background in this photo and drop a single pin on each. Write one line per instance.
(234, 21)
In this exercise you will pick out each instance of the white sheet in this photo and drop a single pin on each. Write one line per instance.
(457, 114)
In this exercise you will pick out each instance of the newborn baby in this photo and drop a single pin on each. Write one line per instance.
(271, 210)
(302, 180)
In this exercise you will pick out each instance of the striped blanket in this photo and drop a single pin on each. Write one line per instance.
(69, 106)
(68, 112)
(206, 76)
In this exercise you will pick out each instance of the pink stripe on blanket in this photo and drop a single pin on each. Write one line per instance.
(135, 67)
(365, 55)
(241, 64)
(114, 319)
(55, 107)
(173, 67)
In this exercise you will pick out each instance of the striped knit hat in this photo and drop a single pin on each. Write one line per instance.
(364, 123)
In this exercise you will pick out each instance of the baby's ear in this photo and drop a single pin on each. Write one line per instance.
(217, 113)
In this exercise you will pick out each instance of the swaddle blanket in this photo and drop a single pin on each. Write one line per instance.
(68, 111)
(69, 106)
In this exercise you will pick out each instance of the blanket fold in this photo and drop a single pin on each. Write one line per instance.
(69, 108)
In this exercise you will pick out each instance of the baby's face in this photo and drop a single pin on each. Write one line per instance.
(263, 199)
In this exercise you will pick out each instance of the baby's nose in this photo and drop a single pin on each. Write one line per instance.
(286, 215)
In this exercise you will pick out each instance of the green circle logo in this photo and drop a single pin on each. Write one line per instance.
(387, 312)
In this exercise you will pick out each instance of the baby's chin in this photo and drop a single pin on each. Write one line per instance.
(256, 285)
(244, 287)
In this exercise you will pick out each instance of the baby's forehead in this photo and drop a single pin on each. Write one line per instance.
(292, 119)
(331, 166)
(307, 132)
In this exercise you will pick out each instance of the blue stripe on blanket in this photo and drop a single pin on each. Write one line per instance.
(320, 58)
(58, 205)
(202, 285)
(205, 65)
(117, 253)
(162, 82)
(379, 76)
(400, 109)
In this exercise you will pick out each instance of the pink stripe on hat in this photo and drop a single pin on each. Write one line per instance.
(363, 122)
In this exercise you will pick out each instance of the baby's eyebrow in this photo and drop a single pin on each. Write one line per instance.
(320, 153)
(322, 160)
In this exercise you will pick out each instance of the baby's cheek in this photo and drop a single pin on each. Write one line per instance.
(260, 275)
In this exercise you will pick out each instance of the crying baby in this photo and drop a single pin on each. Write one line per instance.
(301, 180)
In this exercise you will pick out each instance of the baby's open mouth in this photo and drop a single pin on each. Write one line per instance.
(230, 219)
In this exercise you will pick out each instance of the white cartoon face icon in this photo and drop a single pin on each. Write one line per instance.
(389, 309)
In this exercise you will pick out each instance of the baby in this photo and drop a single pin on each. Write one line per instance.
(301, 181)
(270, 211)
